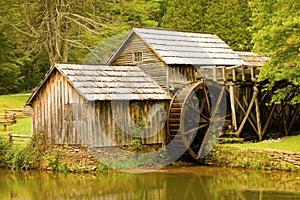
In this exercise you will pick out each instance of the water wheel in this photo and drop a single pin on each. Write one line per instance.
(192, 114)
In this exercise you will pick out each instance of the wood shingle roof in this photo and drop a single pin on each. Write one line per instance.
(185, 48)
(103, 82)
(252, 59)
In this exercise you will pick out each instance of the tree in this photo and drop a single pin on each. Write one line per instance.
(10, 79)
(276, 34)
(44, 32)
(147, 13)
(58, 26)
(185, 15)
(229, 19)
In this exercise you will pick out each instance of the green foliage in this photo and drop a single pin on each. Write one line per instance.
(23, 158)
(137, 132)
(185, 15)
(229, 19)
(4, 149)
(101, 53)
(10, 72)
(276, 34)
(103, 167)
(26, 157)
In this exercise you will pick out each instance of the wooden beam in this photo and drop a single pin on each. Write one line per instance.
(285, 128)
(255, 92)
(243, 75)
(217, 105)
(250, 121)
(294, 117)
(233, 75)
(251, 114)
(258, 120)
(232, 105)
(224, 74)
(268, 120)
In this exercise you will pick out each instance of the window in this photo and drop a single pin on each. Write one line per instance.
(137, 56)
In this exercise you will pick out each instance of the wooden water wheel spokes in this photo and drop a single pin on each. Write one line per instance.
(190, 116)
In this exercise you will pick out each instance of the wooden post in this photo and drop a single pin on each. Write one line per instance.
(286, 132)
(232, 104)
(14, 118)
(5, 127)
(233, 75)
(215, 74)
(10, 138)
(224, 74)
(259, 132)
(243, 75)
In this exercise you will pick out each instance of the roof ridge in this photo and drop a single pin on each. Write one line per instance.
(174, 30)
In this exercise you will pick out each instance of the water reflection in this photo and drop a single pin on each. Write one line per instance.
(181, 183)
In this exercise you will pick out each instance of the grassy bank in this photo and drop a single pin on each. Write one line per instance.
(273, 154)
(290, 143)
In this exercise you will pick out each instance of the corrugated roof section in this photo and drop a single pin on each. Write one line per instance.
(252, 59)
(102, 82)
(188, 48)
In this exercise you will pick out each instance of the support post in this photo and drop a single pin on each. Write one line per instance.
(5, 127)
(258, 120)
(10, 138)
(233, 113)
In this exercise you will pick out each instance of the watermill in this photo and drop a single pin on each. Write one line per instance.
(196, 115)
(215, 95)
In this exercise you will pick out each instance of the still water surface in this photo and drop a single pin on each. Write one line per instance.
(175, 183)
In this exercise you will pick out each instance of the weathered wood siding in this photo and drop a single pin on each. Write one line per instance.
(50, 110)
(115, 122)
(66, 117)
(180, 75)
(151, 63)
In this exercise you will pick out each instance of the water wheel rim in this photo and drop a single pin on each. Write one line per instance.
(194, 93)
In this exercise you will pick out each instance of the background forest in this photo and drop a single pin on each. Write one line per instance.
(35, 34)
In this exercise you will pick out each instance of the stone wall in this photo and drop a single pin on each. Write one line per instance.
(253, 158)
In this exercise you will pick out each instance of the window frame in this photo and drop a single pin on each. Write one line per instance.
(137, 56)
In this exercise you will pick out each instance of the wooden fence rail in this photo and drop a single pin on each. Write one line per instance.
(11, 136)
(11, 115)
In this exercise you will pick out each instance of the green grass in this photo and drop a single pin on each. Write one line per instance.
(23, 125)
(12, 101)
(290, 143)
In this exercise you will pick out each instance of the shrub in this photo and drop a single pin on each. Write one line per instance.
(4, 149)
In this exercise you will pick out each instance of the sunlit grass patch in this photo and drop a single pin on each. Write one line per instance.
(12, 101)
(290, 143)
(23, 125)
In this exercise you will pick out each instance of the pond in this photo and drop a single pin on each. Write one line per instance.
(170, 183)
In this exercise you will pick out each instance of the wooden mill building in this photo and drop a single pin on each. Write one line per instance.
(180, 84)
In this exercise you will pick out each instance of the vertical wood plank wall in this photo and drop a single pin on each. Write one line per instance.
(179, 75)
(49, 112)
(151, 63)
(66, 117)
